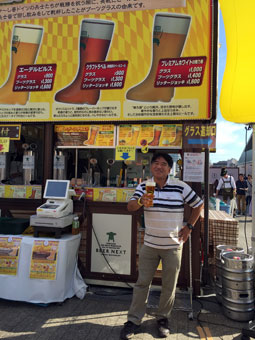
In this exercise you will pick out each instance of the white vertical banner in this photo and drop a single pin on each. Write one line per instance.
(194, 167)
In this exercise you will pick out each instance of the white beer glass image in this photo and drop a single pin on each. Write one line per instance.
(95, 39)
(169, 36)
(26, 40)
(150, 188)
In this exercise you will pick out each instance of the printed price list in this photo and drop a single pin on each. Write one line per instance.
(104, 75)
(177, 72)
(34, 77)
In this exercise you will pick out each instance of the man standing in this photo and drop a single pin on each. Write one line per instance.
(241, 189)
(227, 185)
(249, 192)
(165, 233)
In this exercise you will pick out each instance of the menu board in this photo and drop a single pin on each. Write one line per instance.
(110, 61)
(153, 136)
(85, 136)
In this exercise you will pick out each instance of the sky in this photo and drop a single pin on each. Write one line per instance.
(230, 137)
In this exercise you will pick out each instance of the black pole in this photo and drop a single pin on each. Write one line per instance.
(206, 219)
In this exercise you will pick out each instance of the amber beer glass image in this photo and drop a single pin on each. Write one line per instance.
(95, 38)
(25, 45)
(93, 135)
(169, 36)
(150, 188)
(156, 136)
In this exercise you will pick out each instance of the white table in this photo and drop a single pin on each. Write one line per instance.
(68, 278)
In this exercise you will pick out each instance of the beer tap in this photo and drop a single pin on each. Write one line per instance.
(144, 163)
(125, 165)
(110, 162)
(93, 162)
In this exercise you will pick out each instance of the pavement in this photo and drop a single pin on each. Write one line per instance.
(102, 312)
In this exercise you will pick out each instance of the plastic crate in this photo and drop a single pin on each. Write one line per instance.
(13, 226)
(225, 207)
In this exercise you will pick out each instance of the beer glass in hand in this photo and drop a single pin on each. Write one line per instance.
(150, 188)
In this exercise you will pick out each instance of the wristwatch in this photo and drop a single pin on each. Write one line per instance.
(139, 201)
(190, 226)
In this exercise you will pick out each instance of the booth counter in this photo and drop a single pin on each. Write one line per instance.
(111, 240)
(67, 283)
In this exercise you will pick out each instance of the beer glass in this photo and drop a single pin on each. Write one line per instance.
(26, 40)
(95, 39)
(169, 37)
(150, 188)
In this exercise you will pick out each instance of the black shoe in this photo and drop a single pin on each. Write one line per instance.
(163, 329)
(129, 330)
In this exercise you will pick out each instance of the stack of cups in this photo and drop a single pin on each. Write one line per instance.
(221, 249)
(238, 286)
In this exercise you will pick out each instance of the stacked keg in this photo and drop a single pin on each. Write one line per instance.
(237, 286)
(221, 249)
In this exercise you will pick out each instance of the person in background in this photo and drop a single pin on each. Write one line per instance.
(165, 233)
(241, 189)
(249, 192)
(227, 186)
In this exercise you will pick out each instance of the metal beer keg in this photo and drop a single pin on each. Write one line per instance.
(220, 249)
(237, 286)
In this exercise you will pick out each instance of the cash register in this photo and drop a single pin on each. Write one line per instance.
(56, 214)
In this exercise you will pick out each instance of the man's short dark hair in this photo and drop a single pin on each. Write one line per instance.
(166, 157)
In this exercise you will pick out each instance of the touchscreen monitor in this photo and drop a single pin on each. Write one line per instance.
(56, 189)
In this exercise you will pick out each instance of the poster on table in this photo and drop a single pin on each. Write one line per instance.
(194, 167)
(9, 255)
(44, 260)
(106, 60)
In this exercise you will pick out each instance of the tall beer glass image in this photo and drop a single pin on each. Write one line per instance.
(25, 45)
(93, 135)
(134, 135)
(95, 39)
(156, 136)
(150, 188)
(169, 36)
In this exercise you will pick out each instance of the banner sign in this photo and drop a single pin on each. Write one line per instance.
(91, 136)
(153, 136)
(106, 61)
(200, 136)
(10, 131)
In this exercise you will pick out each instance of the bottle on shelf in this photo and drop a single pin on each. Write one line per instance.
(76, 225)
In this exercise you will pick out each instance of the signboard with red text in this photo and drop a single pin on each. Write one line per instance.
(107, 61)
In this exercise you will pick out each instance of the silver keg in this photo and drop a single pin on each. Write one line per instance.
(237, 286)
(220, 249)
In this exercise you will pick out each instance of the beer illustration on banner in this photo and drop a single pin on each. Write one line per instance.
(156, 136)
(134, 135)
(92, 137)
(169, 36)
(95, 39)
(150, 188)
(26, 40)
